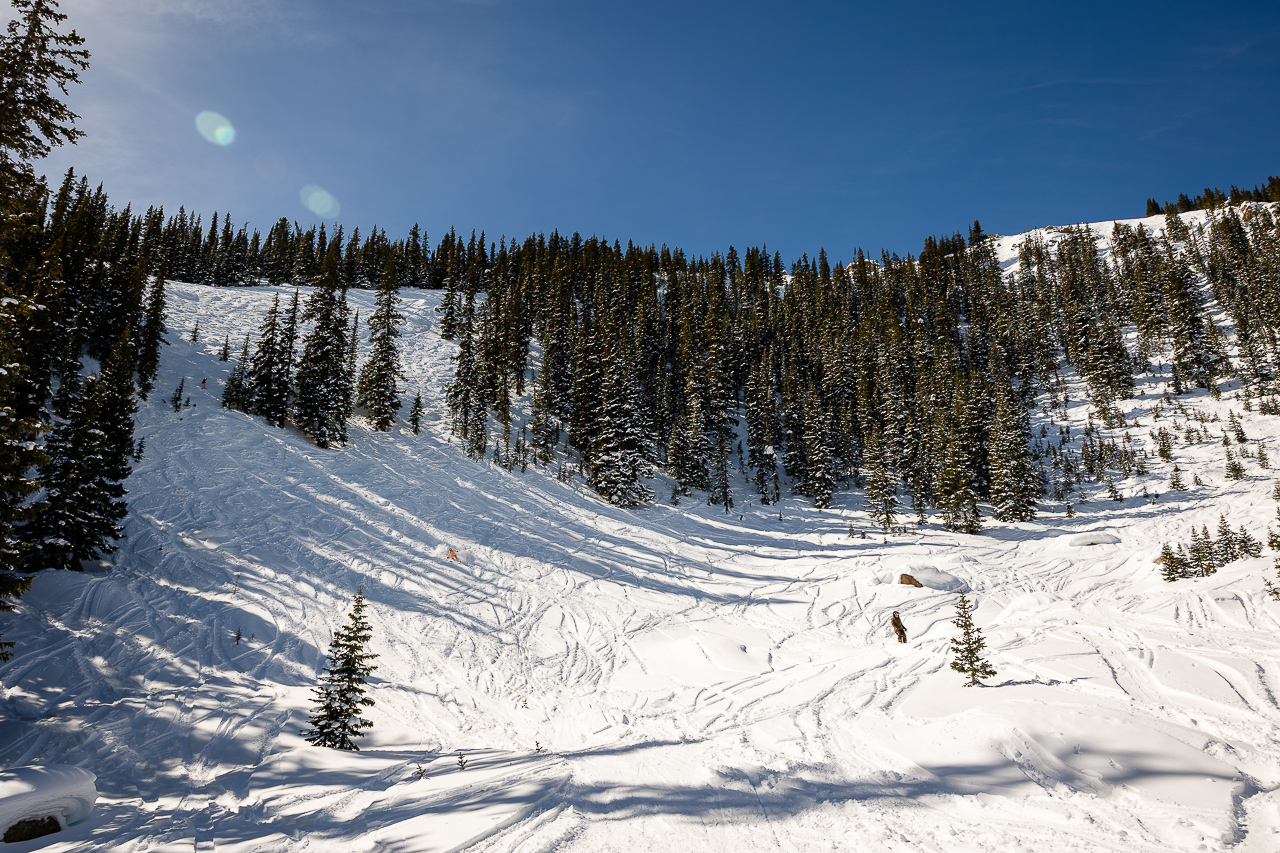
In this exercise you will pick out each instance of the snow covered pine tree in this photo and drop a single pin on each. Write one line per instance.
(341, 692)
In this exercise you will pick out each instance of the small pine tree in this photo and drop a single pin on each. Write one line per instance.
(415, 414)
(1176, 483)
(237, 394)
(341, 695)
(968, 647)
(195, 333)
(176, 399)
(1235, 468)
(225, 355)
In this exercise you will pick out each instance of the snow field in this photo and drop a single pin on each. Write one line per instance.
(695, 679)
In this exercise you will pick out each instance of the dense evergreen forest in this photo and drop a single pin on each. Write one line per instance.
(910, 377)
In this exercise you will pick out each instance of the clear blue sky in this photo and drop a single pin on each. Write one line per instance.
(697, 124)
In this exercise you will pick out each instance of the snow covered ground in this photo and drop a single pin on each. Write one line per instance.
(673, 678)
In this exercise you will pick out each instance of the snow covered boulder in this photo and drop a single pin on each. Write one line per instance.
(1094, 537)
(59, 791)
(939, 580)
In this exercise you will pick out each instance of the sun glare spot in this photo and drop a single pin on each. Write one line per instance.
(319, 201)
(215, 128)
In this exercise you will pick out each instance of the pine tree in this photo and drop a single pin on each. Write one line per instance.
(1015, 483)
(269, 370)
(378, 392)
(620, 457)
(225, 355)
(323, 381)
(881, 499)
(956, 496)
(89, 453)
(34, 61)
(967, 648)
(236, 393)
(415, 414)
(340, 696)
(151, 337)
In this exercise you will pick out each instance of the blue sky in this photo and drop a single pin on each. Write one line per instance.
(696, 124)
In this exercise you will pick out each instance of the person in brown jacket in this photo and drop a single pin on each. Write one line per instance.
(898, 627)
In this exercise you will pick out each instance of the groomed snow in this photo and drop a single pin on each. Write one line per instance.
(675, 678)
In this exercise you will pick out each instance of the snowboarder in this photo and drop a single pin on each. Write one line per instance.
(898, 627)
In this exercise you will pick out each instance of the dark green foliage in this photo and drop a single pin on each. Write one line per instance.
(341, 695)
(151, 337)
(881, 499)
(89, 457)
(37, 64)
(1015, 483)
(324, 379)
(268, 377)
(967, 648)
(415, 414)
(378, 390)
(1205, 555)
(237, 393)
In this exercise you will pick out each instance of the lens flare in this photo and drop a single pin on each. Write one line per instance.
(215, 128)
(319, 202)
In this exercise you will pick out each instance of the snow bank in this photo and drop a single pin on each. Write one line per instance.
(939, 580)
(59, 790)
(1094, 537)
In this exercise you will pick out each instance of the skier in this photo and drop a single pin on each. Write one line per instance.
(898, 627)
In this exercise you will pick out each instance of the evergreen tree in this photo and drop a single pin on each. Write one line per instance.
(237, 393)
(1015, 484)
(89, 454)
(415, 414)
(269, 370)
(323, 380)
(620, 458)
(151, 337)
(341, 695)
(967, 648)
(956, 497)
(882, 487)
(378, 392)
(35, 60)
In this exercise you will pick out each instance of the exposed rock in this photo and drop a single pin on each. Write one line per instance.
(35, 827)
(909, 581)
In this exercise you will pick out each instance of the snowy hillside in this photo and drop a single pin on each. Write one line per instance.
(672, 678)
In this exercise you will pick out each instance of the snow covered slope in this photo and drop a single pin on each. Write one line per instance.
(664, 679)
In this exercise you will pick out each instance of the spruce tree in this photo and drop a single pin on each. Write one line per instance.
(415, 414)
(341, 695)
(378, 391)
(237, 393)
(967, 648)
(89, 454)
(1015, 482)
(35, 60)
(881, 498)
(268, 373)
(323, 382)
(151, 337)
(620, 458)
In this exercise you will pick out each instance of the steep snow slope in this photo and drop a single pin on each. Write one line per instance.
(672, 678)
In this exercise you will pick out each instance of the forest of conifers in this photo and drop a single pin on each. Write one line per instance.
(911, 377)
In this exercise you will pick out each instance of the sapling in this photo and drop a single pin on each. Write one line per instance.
(968, 647)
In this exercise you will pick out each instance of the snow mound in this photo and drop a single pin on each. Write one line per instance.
(938, 579)
(1094, 537)
(58, 790)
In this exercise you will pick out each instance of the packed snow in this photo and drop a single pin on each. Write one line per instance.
(585, 678)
